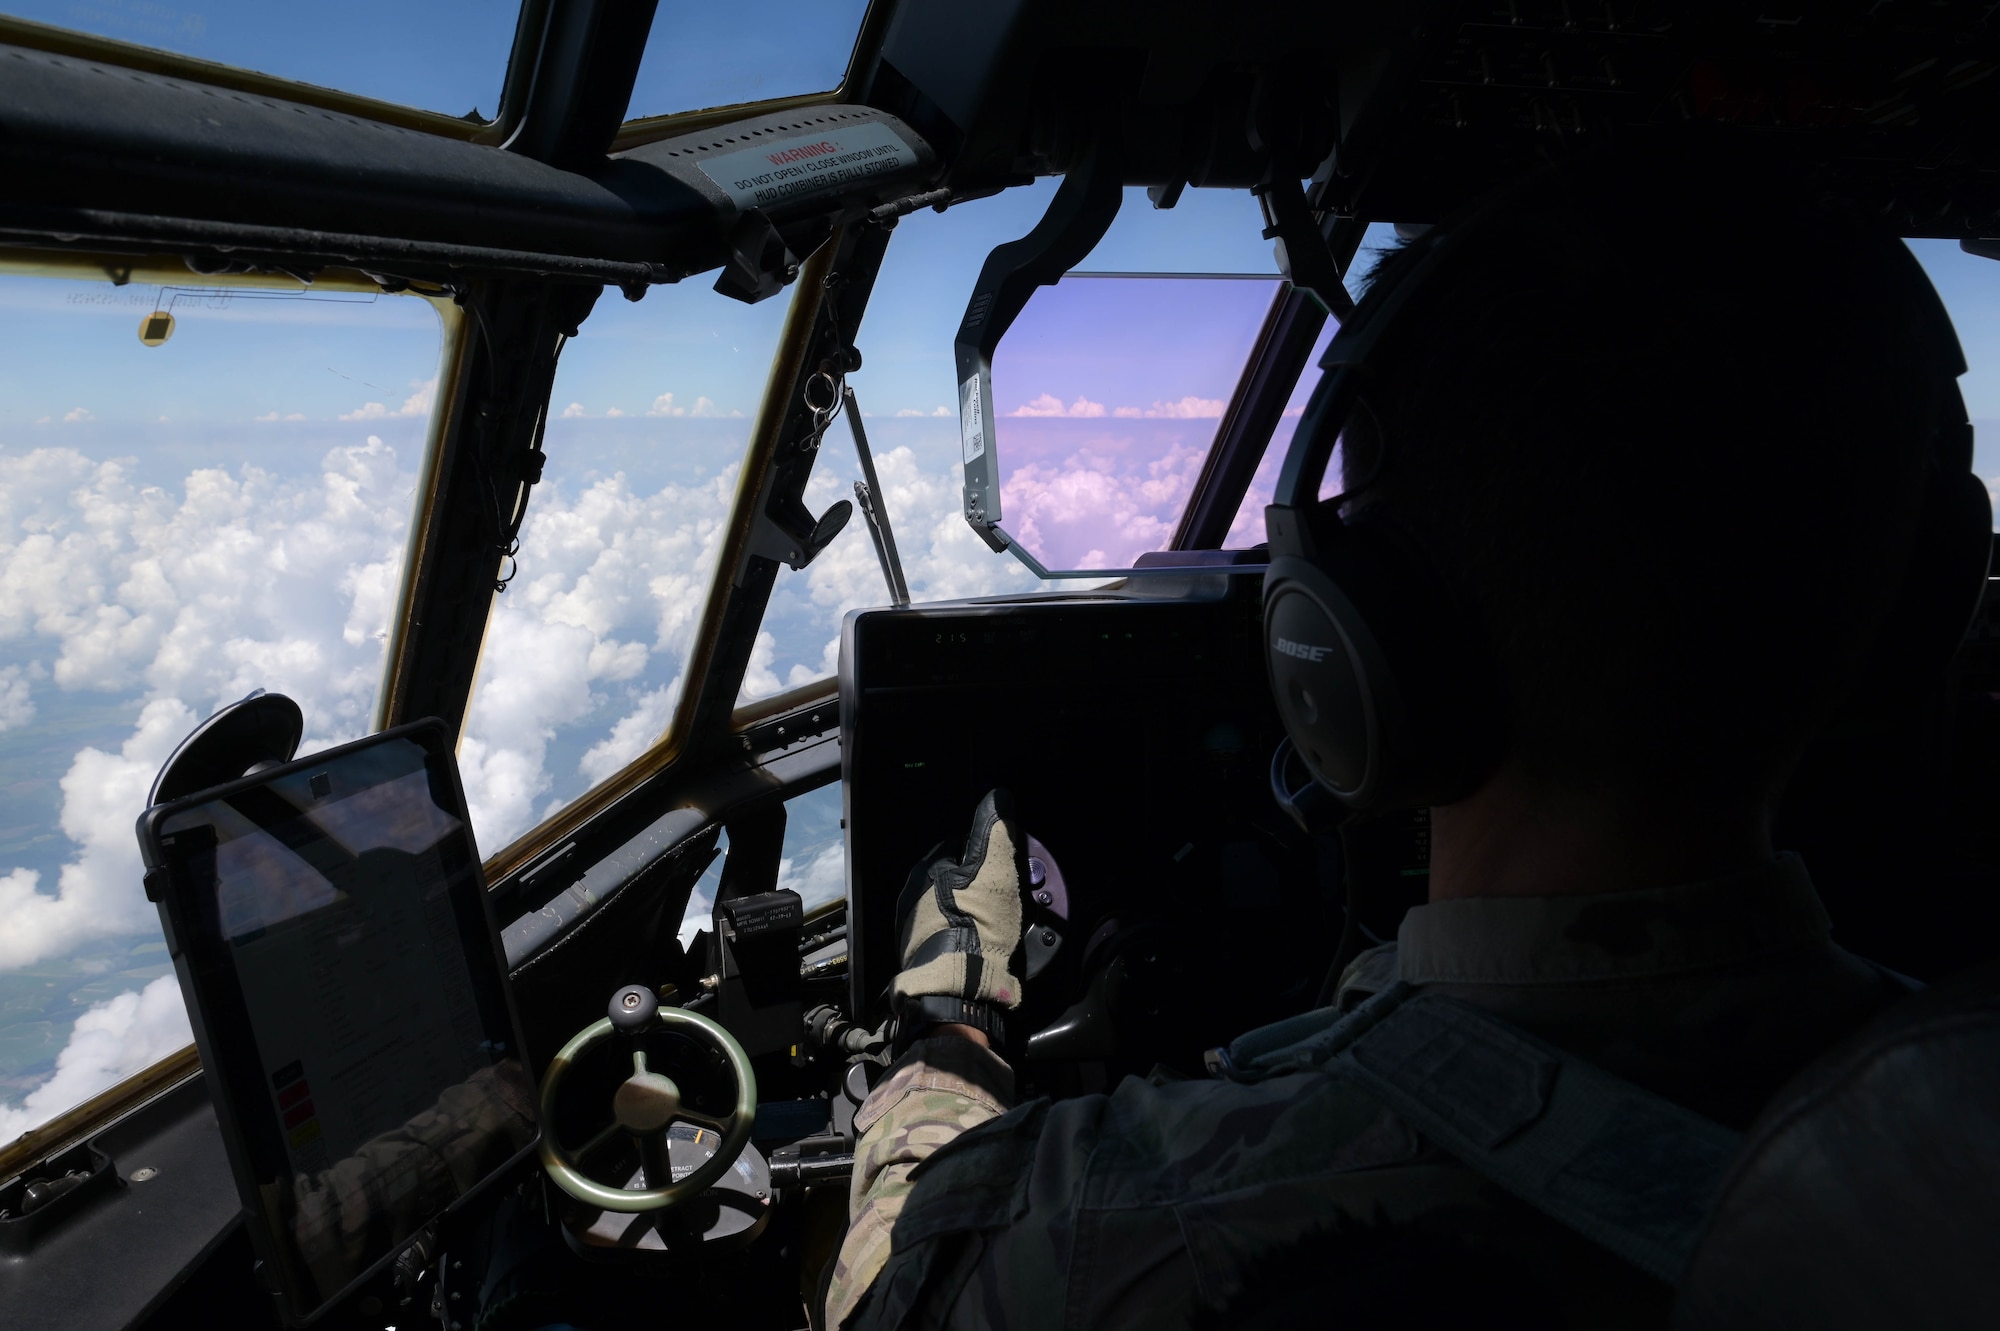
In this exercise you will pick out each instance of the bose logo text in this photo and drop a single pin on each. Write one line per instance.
(1305, 651)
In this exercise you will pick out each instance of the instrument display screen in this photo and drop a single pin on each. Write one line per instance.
(330, 930)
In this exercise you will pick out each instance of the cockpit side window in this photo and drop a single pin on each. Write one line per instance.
(1970, 287)
(907, 392)
(813, 861)
(206, 487)
(584, 655)
(701, 55)
(446, 56)
(1247, 528)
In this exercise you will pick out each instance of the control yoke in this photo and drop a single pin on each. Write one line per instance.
(646, 1104)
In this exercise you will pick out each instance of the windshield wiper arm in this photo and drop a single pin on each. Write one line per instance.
(874, 506)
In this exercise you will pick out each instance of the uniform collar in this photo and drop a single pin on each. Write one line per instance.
(1759, 912)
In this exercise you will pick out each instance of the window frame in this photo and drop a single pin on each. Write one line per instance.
(802, 325)
(529, 26)
(651, 129)
(92, 1115)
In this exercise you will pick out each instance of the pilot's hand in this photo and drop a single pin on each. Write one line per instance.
(958, 922)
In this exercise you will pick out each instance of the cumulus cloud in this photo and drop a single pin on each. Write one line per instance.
(613, 413)
(98, 894)
(1048, 404)
(917, 411)
(574, 412)
(17, 706)
(1096, 509)
(110, 1042)
(819, 877)
(1187, 408)
(942, 559)
(270, 416)
(663, 405)
(759, 679)
(182, 602)
(77, 414)
(633, 734)
(589, 639)
(416, 404)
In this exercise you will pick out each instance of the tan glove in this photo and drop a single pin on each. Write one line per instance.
(959, 922)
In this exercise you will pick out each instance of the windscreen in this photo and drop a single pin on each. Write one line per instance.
(345, 980)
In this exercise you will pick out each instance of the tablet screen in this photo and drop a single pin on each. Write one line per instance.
(332, 928)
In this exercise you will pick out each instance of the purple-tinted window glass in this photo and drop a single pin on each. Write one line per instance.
(1248, 527)
(1107, 394)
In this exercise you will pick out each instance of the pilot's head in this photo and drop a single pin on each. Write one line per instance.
(1668, 432)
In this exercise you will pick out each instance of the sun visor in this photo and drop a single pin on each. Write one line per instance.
(779, 183)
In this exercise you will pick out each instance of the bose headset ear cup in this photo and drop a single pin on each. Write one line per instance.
(1381, 676)
(1321, 678)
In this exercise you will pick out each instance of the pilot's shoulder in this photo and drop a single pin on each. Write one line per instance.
(1185, 1140)
(1147, 1144)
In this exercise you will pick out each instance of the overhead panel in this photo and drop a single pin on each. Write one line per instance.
(118, 157)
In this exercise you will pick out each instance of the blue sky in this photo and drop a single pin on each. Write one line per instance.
(451, 55)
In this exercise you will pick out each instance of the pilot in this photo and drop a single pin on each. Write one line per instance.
(1664, 430)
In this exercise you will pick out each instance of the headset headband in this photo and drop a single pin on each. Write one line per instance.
(1344, 365)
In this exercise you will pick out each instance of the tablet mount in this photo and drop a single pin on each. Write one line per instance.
(248, 736)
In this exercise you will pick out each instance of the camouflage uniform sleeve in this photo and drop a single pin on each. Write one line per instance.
(942, 1087)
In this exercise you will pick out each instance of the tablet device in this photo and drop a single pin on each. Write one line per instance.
(329, 925)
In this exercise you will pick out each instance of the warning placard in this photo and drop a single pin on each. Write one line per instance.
(971, 420)
(781, 169)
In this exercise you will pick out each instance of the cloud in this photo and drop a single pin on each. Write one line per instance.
(613, 413)
(17, 708)
(584, 652)
(270, 416)
(1187, 408)
(942, 558)
(1048, 404)
(634, 733)
(1100, 509)
(574, 412)
(418, 403)
(111, 1041)
(759, 680)
(663, 405)
(705, 407)
(822, 877)
(179, 602)
(77, 414)
(98, 893)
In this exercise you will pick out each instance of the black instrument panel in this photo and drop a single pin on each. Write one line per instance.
(1135, 732)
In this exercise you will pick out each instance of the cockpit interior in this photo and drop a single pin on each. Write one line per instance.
(655, 997)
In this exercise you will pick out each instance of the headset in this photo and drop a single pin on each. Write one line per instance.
(1389, 695)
